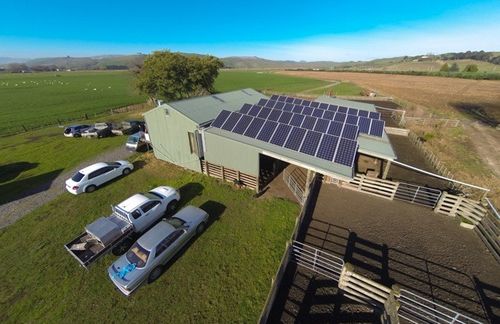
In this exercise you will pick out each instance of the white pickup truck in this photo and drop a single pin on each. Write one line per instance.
(132, 216)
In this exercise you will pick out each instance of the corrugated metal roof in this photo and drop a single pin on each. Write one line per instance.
(206, 108)
(346, 103)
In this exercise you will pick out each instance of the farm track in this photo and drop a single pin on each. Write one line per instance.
(35, 197)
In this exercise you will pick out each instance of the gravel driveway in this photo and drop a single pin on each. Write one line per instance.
(14, 210)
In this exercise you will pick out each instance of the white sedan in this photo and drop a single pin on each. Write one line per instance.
(91, 177)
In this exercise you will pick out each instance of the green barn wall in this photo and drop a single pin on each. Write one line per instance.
(169, 136)
(231, 154)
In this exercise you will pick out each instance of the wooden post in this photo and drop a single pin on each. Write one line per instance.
(386, 169)
(208, 168)
(222, 172)
(306, 189)
(391, 305)
(345, 274)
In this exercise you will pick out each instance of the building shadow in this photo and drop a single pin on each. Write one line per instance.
(189, 191)
(13, 170)
(482, 112)
(20, 189)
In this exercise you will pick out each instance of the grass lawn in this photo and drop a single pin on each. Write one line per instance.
(39, 98)
(265, 81)
(30, 159)
(224, 276)
(341, 89)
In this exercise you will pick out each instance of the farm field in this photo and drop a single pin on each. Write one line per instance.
(340, 89)
(472, 151)
(33, 99)
(224, 276)
(434, 66)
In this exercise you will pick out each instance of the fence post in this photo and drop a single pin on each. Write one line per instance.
(345, 274)
(391, 305)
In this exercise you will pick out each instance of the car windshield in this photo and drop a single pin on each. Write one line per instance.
(138, 255)
(113, 164)
(152, 195)
(175, 222)
(77, 177)
(133, 139)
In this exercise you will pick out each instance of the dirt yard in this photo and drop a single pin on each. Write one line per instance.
(472, 151)
(393, 243)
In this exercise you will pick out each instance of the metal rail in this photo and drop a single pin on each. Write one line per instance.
(317, 260)
(294, 187)
(417, 194)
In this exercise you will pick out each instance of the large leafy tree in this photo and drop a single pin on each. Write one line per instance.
(173, 76)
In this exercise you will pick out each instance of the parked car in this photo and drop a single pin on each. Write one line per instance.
(136, 142)
(128, 127)
(75, 130)
(91, 177)
(98, 130)
(129, 218)
(147, 257)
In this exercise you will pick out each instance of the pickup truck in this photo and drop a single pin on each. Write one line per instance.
(129, 218)
(128, 127)
(98, 130)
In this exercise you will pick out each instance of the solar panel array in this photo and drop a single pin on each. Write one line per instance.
(326, 131)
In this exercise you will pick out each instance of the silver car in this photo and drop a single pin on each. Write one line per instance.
(147, 257)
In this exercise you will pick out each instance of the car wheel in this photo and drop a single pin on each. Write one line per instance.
(77, 135)
(90, 189)
(155, 274)
(172, 206)
(126, 171)
(200, 228)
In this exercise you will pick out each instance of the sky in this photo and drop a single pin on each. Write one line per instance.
(284, 30)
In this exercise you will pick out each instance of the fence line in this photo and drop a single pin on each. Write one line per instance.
(488, 229)
(60, 121)
(294, 187)
(433, 121)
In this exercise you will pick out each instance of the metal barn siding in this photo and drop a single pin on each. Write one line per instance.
(231, 154)
(168, 130)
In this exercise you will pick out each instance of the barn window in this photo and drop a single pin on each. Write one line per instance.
(193, 143)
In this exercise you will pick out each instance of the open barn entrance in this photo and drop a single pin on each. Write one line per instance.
(269, 168)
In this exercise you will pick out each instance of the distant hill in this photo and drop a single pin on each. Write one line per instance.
(486, 61)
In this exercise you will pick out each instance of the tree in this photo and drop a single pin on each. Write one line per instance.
(17, 68)
(471, 68)
(454, 67)
(173, 76)
(445, 68)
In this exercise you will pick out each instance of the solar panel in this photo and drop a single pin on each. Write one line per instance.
(270, 104)
(328, 115)
(321, 125)
(262, 102)
(351, 119)
(231, 121)
(254, 127)
(297, 101)
(342, 109)
(352, 111)
(221, 118)
(363, 113)
(285, 117)
(297, 109)
(279, 105)
(314, 104)
(318, 112)
(364, 125)
(282, 98)
(309, 122)
(306, 102)
(310, 143)
(264, 112)
(326, 149)
(245, 108)
(288, 107)
(242, 124)
(340, 117)
(333, 107)
(274, 115)
(377, 127)
(374, 115)
(295, 138)
(297, 120)
(267, 131)
(274, 97)
(254, 111)
(307, 111)
(323, 105)
(335, 128)
(280, 135)
(346, 152)
(289, 100)
(350, 131)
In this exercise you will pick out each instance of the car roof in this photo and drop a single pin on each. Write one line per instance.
(155, 235)
(189, 213)
(131, 203)
(77, 125)
(93, 167)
